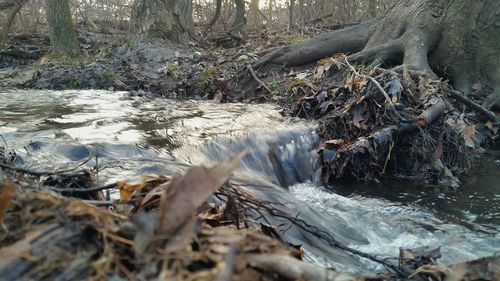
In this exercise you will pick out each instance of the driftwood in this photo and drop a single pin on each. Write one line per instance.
(481, 111)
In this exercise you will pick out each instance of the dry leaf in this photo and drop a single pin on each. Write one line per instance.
(185, 194)
(355, 82)
(320, 70)
(438, 151)
(469, 134)
(128, 188)
(6, 192)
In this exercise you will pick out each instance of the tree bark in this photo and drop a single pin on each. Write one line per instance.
(253, 14)
(170, 19)
(61, 29)
(218, 8)
(8, 12)
(239, 20)
(291, 7)
(457, 39)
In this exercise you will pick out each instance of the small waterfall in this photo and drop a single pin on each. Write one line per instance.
(58, 130)
(281, 157)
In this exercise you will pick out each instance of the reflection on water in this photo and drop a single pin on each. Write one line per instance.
(133, 135)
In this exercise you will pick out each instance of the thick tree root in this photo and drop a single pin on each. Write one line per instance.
(339, 41)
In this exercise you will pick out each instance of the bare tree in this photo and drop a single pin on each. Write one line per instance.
(8, 11)
(253, 13)
(456, 38)
(239, 19)
(291, 7)
(170, 19)
(61, 29)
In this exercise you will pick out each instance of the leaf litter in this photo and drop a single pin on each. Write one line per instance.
(184, 227)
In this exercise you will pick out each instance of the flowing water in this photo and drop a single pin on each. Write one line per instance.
(133, 135)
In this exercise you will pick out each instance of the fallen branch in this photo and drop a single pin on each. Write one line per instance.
(250, 69)
(260, 207)
(351, 160)
(85, 190)
(481, 111)
(391, 106)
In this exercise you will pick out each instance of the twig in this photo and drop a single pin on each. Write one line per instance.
(6, 145)
(72, 169)
(250, 69)
(26, 171)
(254, 204)
(226, 272)
(107, 203)
(481, 111)
(391, 106)
(85, 190)
(391, 146)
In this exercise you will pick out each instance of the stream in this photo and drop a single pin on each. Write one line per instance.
(130, 135)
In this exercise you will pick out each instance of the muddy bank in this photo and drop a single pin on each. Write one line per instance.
(108, 62)
(376, 124)
(380, 124)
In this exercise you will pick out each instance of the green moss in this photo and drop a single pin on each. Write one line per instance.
(111, 78)
(296, 83)
(60, 58)
(295, 39)
(171, 69)
(208, 74)
(273, 85)
(75, 83)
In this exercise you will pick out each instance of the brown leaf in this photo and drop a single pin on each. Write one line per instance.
(438, 151)
(129, 188)
(320, 70)
(354, 81)
(6, 192)
(185, 194)
(469, 134)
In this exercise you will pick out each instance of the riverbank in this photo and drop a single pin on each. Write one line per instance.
(376, 124)
(85, 138)
(187, 226)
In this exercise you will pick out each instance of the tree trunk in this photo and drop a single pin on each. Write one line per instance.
(253, 14)
(61, 29)
(170, 19)
(239, 20)
(457, 39)
(291, 7)
(218, 8)
(8, 12)
(270, 10)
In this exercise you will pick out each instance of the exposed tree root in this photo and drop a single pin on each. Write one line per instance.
(339, 41)
(417, 39)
